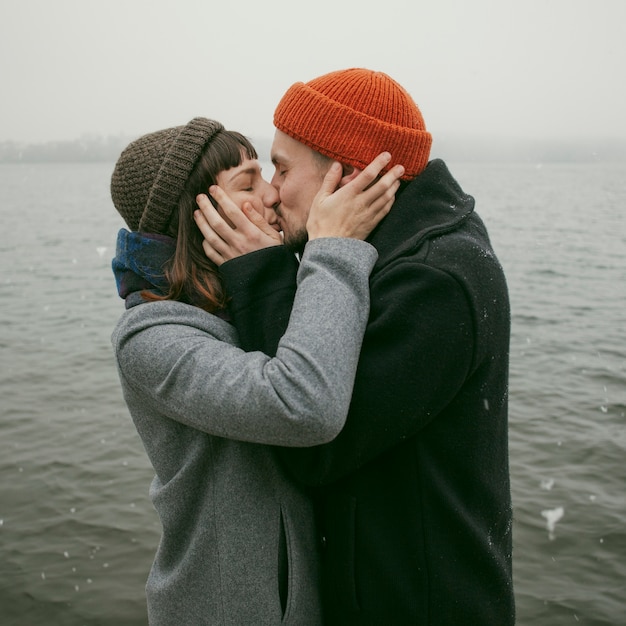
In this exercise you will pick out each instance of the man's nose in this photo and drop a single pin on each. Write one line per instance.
(270, 196)
(274, 181)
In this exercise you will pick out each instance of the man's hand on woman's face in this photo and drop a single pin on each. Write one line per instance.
(229, 231)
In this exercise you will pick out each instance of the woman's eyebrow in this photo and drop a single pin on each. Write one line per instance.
(247, 171)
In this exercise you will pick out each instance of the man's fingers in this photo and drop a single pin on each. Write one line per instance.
(209, 220)
(228, 209)
(225, 206)
(208, 229)
(204, 204)
(199, 215)
(258, 221)
(211, 253)
(234, 232)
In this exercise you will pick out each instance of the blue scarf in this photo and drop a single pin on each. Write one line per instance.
(139, 265)
(139, 262)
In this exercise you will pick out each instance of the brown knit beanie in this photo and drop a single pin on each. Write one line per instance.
(352, 116)
(150, 175)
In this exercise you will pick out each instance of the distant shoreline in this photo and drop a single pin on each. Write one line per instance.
(452, 148)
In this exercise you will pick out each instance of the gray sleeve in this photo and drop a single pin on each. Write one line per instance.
(172, 365)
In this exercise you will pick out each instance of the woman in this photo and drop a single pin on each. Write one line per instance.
(238, 544)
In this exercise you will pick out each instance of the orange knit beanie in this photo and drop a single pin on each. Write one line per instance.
(352, 116)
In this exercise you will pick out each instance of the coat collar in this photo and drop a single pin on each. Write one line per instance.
(431, 204)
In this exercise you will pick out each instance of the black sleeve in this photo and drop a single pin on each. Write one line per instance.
(261, 287)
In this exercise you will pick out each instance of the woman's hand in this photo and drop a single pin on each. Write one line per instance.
(355, 209)
(229, 231)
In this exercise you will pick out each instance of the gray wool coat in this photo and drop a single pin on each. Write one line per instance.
(235, 528)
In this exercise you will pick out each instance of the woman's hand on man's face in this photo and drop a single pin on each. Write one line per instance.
(353, 205)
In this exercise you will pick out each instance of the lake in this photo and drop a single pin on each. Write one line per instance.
(77, 530)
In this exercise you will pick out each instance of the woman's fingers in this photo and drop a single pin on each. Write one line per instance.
(331, 180)
(356, 208)
(385, 187)
(372, 171)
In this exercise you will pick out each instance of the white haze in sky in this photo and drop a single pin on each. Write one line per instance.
(491, 68)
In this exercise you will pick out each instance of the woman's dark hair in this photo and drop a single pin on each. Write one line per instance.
(192, 277)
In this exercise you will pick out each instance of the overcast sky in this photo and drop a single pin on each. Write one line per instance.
(523, 68)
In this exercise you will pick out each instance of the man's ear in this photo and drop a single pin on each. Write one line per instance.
(349, 173)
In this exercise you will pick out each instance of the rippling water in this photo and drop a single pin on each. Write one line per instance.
(77, 531)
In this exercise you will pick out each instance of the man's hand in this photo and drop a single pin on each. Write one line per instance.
(355, 209)
(235, 232)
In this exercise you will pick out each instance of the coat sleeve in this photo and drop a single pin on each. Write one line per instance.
(416, 354)
(300, 397)
(261, 287)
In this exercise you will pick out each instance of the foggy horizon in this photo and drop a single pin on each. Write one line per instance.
(520, 70)
(97, 148)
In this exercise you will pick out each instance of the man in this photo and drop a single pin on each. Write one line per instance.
(413, 496)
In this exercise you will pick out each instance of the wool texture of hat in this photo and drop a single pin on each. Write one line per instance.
(353, 115)
(150, 175)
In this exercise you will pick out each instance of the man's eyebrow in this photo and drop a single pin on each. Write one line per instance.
(277, 157)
